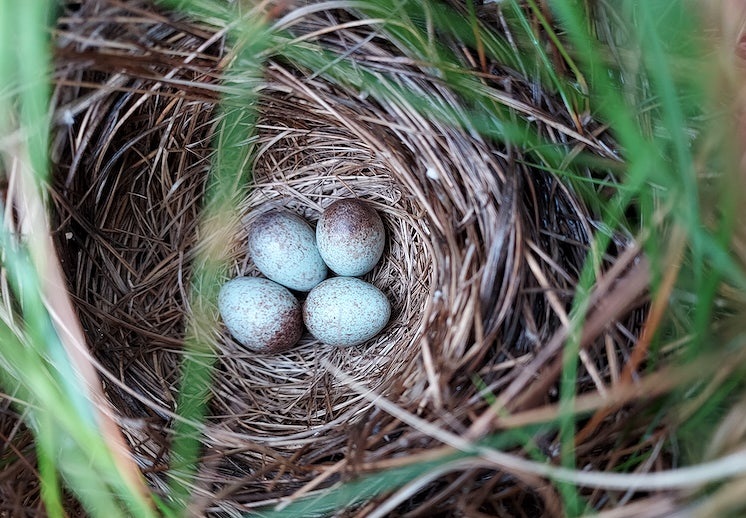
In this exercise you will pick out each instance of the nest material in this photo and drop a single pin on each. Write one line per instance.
(311, 154)
(481, 261)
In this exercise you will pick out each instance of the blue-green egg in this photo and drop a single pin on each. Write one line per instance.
(260, 314)
(350, 237)
(345, 311)
(283, 247)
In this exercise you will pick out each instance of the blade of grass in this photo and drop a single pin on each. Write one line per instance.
(573, 18)
(560, 84)
(485, 110)
(31, 39)
(71, 431)
(370, 486)
(45, 446)
(227, 186)
(574, 503)
(70, 440)
(51, 492)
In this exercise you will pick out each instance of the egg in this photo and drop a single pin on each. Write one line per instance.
(260, 314)
(345, 311)
(350, 237)
(283, 247)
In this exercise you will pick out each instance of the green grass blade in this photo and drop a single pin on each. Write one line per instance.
(227, 186)
(345, 495)
(34, 362)
(69, 437)
(33, 68)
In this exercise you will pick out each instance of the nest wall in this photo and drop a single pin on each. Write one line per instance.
(481, 252)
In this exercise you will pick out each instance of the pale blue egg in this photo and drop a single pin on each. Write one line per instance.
(345, 311)
(350, 237)
(260, 314)
(283, 247)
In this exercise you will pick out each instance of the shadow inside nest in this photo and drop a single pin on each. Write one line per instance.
(482, 260)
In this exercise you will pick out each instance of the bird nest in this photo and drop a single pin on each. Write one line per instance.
(482, 259)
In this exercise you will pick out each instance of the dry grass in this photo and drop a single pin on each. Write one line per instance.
(483, 256)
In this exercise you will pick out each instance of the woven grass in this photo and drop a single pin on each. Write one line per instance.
(482, 260)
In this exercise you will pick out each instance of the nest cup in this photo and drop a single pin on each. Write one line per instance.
(459, 213)
(310, 155)
(306, 160)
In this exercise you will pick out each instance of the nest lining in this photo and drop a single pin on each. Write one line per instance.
(461, 214)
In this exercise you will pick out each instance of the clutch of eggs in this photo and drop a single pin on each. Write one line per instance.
(264, 316)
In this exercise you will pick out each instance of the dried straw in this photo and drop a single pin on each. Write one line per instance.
(481, 263)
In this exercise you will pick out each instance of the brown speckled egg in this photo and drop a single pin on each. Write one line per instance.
(283, 247)
(350, 237)
(260, 314)
(345, 311)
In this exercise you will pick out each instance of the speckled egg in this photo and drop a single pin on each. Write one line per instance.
(345, 311)
(283, 247)
(350, 237)
(260, 314)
